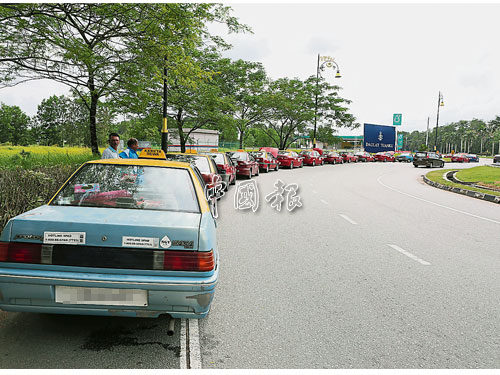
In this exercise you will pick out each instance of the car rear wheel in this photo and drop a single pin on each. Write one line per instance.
(277, 167)
(291, 165)
(314, 163)
(250, 174)
(442, 164)
(258, 172)
(267, 168)
(234, 180)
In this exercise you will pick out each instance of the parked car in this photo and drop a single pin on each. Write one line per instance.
(405, 157)
(245, 163)
(427, 159)
(496, 159)
(225, 167)
(266, 161)
(205, 164)
(311, 157)
(384, 157)
(473, 158)
(290, 159)
(364, 156)
(333, 158)
(349, 157)
(460, 158)
(122, 237)
(272, 150)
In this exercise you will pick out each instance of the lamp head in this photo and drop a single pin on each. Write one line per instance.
(338, 74)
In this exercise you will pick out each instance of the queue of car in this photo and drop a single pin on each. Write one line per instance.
(137, 237)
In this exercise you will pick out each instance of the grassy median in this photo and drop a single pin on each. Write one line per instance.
(483, 175)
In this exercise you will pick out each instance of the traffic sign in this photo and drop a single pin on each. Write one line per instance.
(400, 141)
(397, 118)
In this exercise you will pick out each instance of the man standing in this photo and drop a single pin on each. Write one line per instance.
(112, 151)
(131, 151)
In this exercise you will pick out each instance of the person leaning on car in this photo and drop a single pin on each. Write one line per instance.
(131, 151)
(112, 151)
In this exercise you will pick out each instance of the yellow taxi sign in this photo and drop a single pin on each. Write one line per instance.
(191, 152)
(214, 150)
(149, 153)
(241, 150)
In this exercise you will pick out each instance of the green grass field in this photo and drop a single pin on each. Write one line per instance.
(490, 176)
(30, 157)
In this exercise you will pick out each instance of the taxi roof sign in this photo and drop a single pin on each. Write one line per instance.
(149, 153)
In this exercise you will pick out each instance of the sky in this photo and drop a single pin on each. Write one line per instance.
(393, 57)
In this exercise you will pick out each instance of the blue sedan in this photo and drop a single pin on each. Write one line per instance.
(122, 237)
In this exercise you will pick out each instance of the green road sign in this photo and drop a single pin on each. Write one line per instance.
(397, 118)
(400, 141)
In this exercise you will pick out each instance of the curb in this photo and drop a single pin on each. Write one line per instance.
(469, 193)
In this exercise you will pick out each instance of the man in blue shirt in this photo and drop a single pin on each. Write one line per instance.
(131, 151)
(112, 151)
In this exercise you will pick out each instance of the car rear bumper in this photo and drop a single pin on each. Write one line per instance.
(29, 290)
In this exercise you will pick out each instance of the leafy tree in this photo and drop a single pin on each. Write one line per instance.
(103, 51)
(244, 83)
(290, 108)
(13, 124)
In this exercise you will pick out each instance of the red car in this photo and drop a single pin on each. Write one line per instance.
(349, 157)
(290, 159)
(334, 158)
(205, 164)
(312, 157)
(364, 156)
(266, 161)
(461, 158)
(384, 156)
(225, 167)
(246, 165)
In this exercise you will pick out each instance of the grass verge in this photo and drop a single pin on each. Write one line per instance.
(437, 176)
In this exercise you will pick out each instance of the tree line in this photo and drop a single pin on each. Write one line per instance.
(118, 58)
(474, 136)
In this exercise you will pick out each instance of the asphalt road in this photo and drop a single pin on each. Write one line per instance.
(375, 270)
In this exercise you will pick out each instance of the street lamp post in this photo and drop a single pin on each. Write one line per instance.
(164, 128)
(440, 104)
(328, 62)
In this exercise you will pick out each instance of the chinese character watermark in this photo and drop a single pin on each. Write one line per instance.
(276, 197)
(214, 190)
(246, 196)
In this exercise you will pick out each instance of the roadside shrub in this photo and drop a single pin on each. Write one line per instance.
(24, 189)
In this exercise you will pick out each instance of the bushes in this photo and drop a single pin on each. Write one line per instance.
(24, 189)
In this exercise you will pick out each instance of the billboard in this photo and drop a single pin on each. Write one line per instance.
(379, 138)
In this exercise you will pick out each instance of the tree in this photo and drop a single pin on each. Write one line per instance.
(13, 124)
(103, 51)
(290, 108)
(244, 83)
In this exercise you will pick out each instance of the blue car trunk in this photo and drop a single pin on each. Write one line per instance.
(104, 227)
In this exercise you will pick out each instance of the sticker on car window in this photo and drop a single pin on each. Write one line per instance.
(146, 242)
(55, 238)
(87, 188)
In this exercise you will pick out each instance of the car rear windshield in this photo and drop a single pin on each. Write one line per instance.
(420, 154)
(218, 158)
(199, 161)
(260, 154)
(127, 186)
(242, 156)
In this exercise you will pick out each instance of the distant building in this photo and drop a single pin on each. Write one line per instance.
(199, 140)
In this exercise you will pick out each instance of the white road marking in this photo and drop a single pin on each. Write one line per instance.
(323, 201)
(409, 255)
(183, 339)
(437, 204)
(194, 344)
(348, 219)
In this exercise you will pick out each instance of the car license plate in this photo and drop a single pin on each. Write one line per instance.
(101, 296)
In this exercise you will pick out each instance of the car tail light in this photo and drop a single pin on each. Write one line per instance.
(189, 261)
(242, 163)
(19, 252)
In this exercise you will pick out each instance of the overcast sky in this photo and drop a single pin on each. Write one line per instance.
(394, 58)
